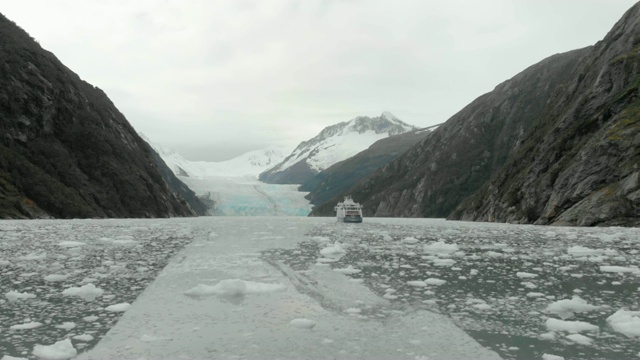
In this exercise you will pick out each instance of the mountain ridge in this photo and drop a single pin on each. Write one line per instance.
(66, 151)
(334, 143)
(433, 177)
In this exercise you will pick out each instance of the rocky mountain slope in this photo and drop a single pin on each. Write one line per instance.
(334, 143)
(435, 176)
(343, 175)
(556, 144)
(65, 150)
(580, 163)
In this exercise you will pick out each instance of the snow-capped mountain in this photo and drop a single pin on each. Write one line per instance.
(334, 143)
(249, 164)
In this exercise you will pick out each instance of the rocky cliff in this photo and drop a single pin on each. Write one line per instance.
(580, 162)
(437, 174)
(65, 150)
(341, 176)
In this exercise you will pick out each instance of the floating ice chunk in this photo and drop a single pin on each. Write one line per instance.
(443, 262)
(14, 295)
(417, 283)
(566, 308)
(90, 318)
(569, 326)
(303, 323)
(525, 275)
(434, 281)
(8, 357)
(482, 306)
(122, 307)
(26, 326)
(61, 350)
(234, 287)
(333, 250)
(580, 339)
(440, 247)
(619, 269)
(4, 263)
(348, 270)
(68, 325)
(88, 292)
(535, 294)
(83, 337)
(55, 277)
(70, 244)
(410, 240)
(579, 251)
(551, 357)
(626, 322)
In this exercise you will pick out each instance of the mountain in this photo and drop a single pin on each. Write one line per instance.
(65, 149)
(556, 144)
(433, 177)
(343, 175)
(580, 163)
(334, 143)
(249, 164)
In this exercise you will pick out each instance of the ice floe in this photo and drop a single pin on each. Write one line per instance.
(88, 292)
(60, 350)
(566, 308)
(122, 307)
(626, 322)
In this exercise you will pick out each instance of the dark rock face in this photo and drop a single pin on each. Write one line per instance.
(65, 150)
(437, 174)
(580, 163)
(335, 180)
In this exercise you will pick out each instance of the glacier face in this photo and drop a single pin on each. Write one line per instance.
(233, 184)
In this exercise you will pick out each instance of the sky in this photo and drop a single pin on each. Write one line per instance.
(216, 78)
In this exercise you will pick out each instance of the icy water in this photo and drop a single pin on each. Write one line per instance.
(501, 284)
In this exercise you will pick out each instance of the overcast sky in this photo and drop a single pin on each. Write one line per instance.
(216, 78)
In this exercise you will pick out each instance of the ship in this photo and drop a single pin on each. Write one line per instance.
(349, 211)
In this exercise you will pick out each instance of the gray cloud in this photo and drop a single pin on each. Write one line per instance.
(216, 78)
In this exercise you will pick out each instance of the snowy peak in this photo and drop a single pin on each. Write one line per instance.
(249, 164)
(333, 144)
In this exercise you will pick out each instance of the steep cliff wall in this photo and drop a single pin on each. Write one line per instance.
(65, 150)
(436, 175)
(580, 162)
